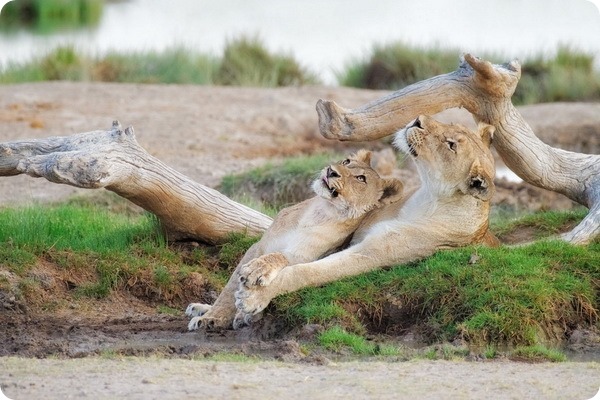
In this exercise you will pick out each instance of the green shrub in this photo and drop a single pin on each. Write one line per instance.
(247, 62)
(278, 184)
(397, 65)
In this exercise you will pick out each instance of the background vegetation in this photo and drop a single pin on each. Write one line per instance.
(46, 16)
(245, 62)
(570, 75)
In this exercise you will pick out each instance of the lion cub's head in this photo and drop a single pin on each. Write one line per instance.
(450, 158)
(354, 187)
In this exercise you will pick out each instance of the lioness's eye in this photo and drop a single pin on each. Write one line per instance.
(361, 178)
(451, 144)
(346, 161)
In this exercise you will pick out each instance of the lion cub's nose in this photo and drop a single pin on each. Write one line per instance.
(417, 123)
(331, 173)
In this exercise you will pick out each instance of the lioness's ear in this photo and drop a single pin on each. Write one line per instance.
(486, 132)
(480, 184)
(363, 155)
(392, 191)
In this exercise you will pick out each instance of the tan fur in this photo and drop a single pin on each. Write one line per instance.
(346, 192)
(450, 209)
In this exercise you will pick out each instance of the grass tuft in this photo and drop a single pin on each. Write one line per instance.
(537, 353)
(277, 185)
(245, 62)
(338, 339)
(568, 76)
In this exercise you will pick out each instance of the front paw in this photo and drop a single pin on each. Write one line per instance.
(252, 300)
(210, 322)
(262, 270)
(197, 309)
(242, 319)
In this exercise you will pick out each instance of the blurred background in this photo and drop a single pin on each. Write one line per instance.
(379, 45)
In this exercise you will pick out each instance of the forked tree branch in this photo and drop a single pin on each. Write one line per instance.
(113, 159)
(485, 90)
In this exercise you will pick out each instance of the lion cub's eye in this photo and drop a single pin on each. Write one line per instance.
(346, 161)
(361, 178)
(451, 144)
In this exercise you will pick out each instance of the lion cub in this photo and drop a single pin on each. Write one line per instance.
(345, 193)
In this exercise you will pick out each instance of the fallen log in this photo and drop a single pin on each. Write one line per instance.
(114, 160)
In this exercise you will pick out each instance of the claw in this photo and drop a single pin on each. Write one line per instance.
(197, 309)
(193, 324)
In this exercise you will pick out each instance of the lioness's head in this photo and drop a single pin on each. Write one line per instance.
(354, 187)
(450, 158)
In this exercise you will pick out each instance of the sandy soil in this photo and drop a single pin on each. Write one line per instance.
(177, 379)
(207, 132)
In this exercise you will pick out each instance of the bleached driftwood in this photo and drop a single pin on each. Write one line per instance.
(485, 90)
(113, 159)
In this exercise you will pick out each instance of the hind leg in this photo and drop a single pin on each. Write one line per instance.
(219, 315)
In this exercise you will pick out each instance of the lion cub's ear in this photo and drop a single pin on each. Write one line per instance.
(486, 132)
(480, 184)
(363, 155)
(392, 191)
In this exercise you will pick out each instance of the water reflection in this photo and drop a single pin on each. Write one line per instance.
(325, 35)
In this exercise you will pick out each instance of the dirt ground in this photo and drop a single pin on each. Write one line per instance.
(207, 132)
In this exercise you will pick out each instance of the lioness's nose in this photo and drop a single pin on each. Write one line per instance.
(331, 173)
(418, 122)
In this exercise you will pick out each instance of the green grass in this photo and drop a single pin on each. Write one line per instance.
(245, 62)
(277, 184)
(74, 227)
(567, 76)
(543, 224)
(231, 252)
(537, 353)
(396, 65)
(523, 296)
(105, 251)
(518, 296)
(47, 16)
(338, 339)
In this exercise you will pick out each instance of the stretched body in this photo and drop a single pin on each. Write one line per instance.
(345, 194)
(450, 209)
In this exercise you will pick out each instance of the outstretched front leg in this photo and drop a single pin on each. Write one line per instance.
(365, 256)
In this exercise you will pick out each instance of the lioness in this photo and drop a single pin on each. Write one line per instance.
(449, 209)
(345, 193)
